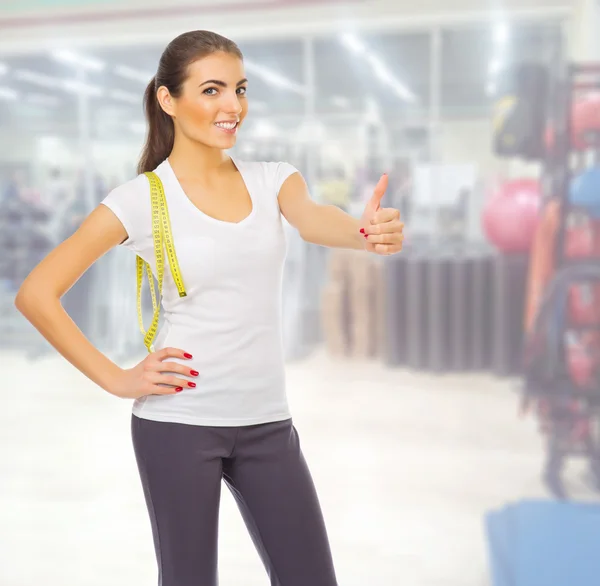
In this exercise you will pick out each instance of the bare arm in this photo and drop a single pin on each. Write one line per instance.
(39, 297)
(326, 225)
(379, 230)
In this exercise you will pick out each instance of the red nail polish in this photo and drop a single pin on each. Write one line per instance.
(187, 355)
(191, 384)
(366, 235)
(194, 372)
(178, 389)
(362, 230)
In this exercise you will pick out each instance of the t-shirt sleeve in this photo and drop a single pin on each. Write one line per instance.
(282, 172)
(130, 202)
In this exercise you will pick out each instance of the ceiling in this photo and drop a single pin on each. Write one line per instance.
(465, 59)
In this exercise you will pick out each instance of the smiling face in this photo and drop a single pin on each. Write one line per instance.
(212, 103)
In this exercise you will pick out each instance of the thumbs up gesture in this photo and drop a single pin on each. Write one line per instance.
(381, 227)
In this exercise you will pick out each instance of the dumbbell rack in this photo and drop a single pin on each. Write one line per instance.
(562, 160)
(563, 155)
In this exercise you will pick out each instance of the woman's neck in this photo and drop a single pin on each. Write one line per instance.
(194, 161)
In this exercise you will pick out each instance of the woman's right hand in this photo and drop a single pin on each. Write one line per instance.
(147, 377)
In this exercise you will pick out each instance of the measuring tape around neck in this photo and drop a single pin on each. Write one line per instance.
(161, 233)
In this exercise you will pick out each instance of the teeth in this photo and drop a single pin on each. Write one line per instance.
(227, 125)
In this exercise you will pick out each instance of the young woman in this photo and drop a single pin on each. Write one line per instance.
(210, 401)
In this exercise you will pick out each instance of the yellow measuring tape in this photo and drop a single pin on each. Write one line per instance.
(161, 233)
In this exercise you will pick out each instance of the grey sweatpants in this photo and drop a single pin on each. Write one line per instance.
(181, 468)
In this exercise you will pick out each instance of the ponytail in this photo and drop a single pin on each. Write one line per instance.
(161, 133)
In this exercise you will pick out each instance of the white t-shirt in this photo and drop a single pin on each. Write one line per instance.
(231, 319)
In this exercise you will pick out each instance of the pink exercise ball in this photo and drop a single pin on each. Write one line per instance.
(511, 215)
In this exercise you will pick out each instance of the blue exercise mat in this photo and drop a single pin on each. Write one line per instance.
(500, 548)
(544, 543)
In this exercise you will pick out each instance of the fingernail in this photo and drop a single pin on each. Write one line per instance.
(178, 389)
(366, 235)
(362, 230)
(191, 384)
(187, 355)
(194, 372)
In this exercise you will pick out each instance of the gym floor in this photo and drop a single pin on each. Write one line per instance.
(405, 464)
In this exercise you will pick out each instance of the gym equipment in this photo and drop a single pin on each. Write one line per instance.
(460, 312)
(584, 191)
(509, 288)
(440, 298)
(562, 371)
(583, 361)
(579, 241)
(576, 141)
(584, 305)
(544, 365)
(439, 309)
(586, 122)
(585, 125)
(510, 216)
(416, 298)
(481, 327)
(519, 120)
(395, 275)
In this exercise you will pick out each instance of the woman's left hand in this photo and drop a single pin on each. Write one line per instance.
(381, 227)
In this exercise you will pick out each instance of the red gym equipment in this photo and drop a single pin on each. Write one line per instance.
(567, 236)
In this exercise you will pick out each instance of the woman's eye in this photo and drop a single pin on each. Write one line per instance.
(210, 89)
(242, 90)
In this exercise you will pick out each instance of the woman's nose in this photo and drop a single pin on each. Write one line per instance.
(232, 105)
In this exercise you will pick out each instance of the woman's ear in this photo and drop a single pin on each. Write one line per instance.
(166, 101)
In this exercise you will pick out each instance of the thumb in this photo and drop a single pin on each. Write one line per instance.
(378, 193)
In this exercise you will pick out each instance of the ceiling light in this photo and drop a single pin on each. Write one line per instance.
(47, 81)
(274, 78)
(501, 33)
(387, 77)
(495, 66)
(379, 68)
(79, 60)
(403, 92)
(7, 93)
(133, 74)
(78, 87)
(37, 78)
(354, 44)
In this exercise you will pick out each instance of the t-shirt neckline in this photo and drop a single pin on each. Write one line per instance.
(197, 211)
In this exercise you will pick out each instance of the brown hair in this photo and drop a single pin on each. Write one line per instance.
(172, 73)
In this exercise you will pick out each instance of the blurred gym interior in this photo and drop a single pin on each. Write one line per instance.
(447, 396)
